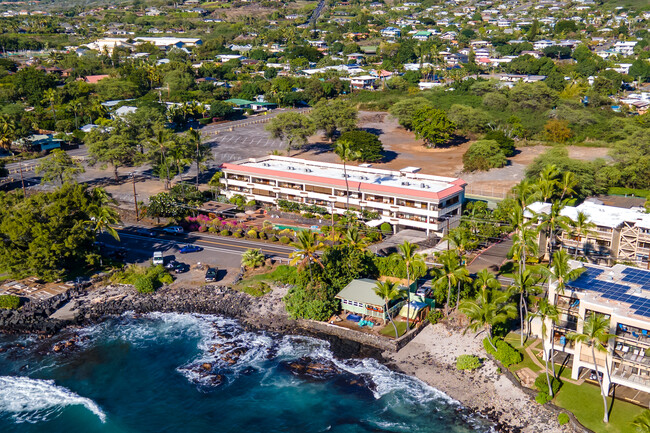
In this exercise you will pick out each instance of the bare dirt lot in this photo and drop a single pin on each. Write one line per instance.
(403, 150)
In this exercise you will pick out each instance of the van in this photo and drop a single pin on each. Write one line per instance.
(158, 258)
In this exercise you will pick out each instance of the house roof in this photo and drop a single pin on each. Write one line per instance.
(361, 290)
(93, 79)
(238, 101)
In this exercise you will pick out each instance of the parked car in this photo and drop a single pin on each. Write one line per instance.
(181, 268)
(211, 275)
(171, 264)
(158, 258)
(190, 249)
(144, 231)
(174, 230)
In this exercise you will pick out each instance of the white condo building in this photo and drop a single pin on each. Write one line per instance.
(404, 198)
(622, 294)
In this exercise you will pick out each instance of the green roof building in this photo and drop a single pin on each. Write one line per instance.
(359, 297)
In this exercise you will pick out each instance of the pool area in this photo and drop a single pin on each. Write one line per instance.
(295, 228)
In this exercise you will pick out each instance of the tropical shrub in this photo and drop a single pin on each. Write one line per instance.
(562, 418)
(543, 397)
(505, 353)
(386, 229)
(9, 302)
(467, 362)
(224, 232)
(144, 284)
(542, 386)
(366, 145)
(238, 234)
(262, 235)
(285, 240)
(434, 316)
(252, 234)
(484, 155)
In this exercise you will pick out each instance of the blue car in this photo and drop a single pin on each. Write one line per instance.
(190, 249)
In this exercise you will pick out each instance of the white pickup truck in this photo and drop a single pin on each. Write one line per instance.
(158, 258)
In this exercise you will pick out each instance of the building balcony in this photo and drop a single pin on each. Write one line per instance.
(567, 325)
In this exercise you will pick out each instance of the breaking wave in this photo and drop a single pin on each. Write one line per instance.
(34, 400)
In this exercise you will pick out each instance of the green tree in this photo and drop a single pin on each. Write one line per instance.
(483, 155)
(547, 312)
(59, 167)
(404, 110)
(306, 247)
(221, 110)
(115, 145)
(161, 143)
(551, 223)
(388, 291)
(581, 227)
(642, 422)
(7, 132)
(50, 97)
(433, 126)
(292, 128)
(344, 150)
(102, 216)
(491, 307)
(451, 273)
(366, 144)
(163, 205)
(524, 285)
(595, 333)
(333, 116)
(201, 153)
(252, 258)
(415, 267)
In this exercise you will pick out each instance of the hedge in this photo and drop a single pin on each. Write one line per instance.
(505, 353)
(9, 302)
(467, 362)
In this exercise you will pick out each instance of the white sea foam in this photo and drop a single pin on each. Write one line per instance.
(34, 400)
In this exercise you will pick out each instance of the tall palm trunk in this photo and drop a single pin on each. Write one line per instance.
(553, 348)
(408, 297)
(600, 382)
(548, 379)
(390, 319)
(448, 297)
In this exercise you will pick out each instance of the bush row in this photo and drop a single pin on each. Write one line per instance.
(9, 302)
(505, 353)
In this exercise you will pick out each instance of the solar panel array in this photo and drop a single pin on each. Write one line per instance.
(617, 292)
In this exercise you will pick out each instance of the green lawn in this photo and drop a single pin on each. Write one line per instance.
(585, 402)
(389, 331)
(257, 285)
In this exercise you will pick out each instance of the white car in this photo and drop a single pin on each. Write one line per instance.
(158, 258)
(174, 230)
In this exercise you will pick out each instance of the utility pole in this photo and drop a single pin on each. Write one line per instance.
(22, 179)
(135, 197)
(447, 232)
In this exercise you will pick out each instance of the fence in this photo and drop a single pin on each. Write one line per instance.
(232, 127)
(498, 193)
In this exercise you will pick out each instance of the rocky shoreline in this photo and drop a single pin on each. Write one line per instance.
(430, 356)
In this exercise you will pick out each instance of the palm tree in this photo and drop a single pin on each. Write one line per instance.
(387, 290)
(49, 96)
(7, 132)
(581, 226)
(344, 150)
(195, 137)
(523, 285)
(459, 240)
(450, 273)
(307, 245)
(162, 141)
(550, 223)
(354, 239)
(642, 422)
(595, 333)
(567, 184)
(252, 258)
(491, 307)
(524, 243)
(547, 311)
(414, 265)
(561, 272)
(101, 215)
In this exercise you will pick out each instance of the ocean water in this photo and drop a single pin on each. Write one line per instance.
(147, 374)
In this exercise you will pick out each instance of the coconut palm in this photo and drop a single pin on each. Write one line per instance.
(580, 227)
(163, 141)
(344, 150)
(595, 333)
(560, 271)
(354, 239)
(523, 285)
(490, 307)
(252, 258)
(550, 223)
(388, 290)
(642, 422)
(101, 215)
(414, 267)
(307, 246)
(451, 273)
(7, 132)
(547, 312)
(567, 184)
(49, 96)
(460, 241)
(524, 244)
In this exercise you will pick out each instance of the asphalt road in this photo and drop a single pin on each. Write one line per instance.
(217, 250)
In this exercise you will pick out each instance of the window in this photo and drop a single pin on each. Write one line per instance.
(263, 181)
(318, 189)
(289, 185)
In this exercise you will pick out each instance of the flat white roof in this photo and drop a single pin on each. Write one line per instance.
(292, 167)
(599, 214)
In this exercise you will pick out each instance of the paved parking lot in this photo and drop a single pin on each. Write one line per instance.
(245, 142)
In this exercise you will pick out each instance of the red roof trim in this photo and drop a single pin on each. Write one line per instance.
(457, 187)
